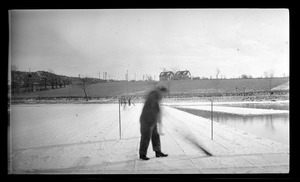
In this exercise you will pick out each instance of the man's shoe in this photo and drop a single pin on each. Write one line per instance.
(160, 154)
(144, 157)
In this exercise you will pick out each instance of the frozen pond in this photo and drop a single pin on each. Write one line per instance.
(275, 106)
(271, 126)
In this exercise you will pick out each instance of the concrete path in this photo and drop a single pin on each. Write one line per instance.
(89, 143)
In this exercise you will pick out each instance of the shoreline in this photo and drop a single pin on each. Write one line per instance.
(229, 99)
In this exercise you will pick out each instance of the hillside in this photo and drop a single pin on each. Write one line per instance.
(42, 80)
(285, 86)
(140, 88)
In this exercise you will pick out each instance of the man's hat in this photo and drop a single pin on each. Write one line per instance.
(161, 88)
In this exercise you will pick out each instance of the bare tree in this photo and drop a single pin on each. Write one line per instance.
(174, 69)
(84, 84)
(14, 68)
(52, 77)
(163, 69)
(244, 76)
(269, 74)
(285, 75)
(44, 78)
(217, 72)
(149, 78)
(15, 83)
(56, 81)
(266, 74)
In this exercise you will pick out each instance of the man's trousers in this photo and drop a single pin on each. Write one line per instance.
(149, 132)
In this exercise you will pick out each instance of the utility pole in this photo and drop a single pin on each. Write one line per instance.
(120, 134)
(212, 122)
(127, 82)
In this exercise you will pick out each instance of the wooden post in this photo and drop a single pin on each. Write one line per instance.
(212, 123)
(119, 119)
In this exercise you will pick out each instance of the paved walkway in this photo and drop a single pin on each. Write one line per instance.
(186, 139)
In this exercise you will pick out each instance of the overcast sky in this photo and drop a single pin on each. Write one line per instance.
(144, 41)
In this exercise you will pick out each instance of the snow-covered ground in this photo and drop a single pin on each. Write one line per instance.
(84, 138)
(285, 86)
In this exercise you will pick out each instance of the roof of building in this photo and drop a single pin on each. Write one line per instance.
(166, 73)
(182, 72)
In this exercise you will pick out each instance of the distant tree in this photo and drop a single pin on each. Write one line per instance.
(28, 82)
(269, 74)
(56, 81)
(67, 81)
(217, 72)
(163, 69)
(15, 81)
(244, 76)
(266, 74)
(174, 69)
(149, 78)
(284, 75)
(64, 82)
(84, 84)
(44, 79)
(52, 77)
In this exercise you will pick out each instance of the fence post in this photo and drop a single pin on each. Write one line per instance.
(212, 122)
(119, 119)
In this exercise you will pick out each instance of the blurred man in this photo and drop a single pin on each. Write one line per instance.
(149, 118)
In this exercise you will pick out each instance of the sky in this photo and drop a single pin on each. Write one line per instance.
(146, 41)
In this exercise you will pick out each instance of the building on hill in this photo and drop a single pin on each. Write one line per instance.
(166, 75)
(182, 75)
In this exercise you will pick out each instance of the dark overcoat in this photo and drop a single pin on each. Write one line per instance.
(151, 111)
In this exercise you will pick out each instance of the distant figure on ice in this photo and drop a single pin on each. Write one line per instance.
(149, 119)
(123, 100)
(130, 101)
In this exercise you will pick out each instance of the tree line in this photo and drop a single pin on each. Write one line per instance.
(36, 81)
(22, 81)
